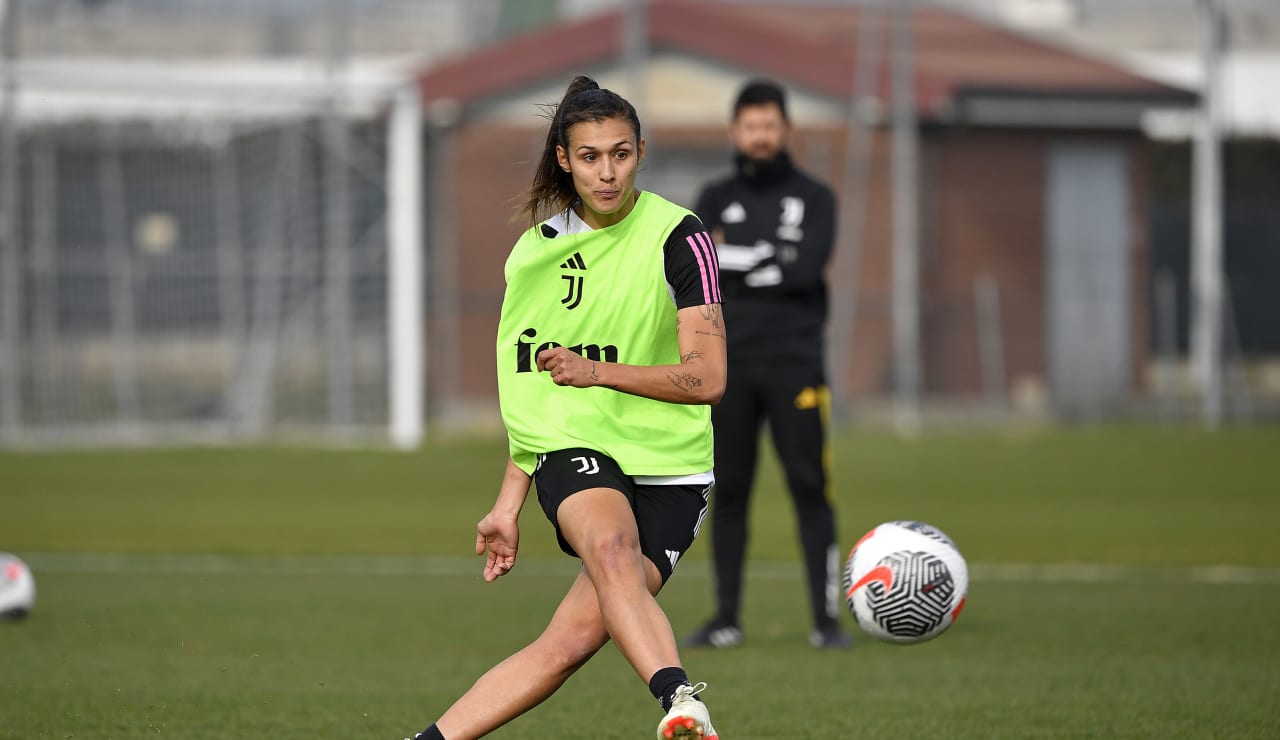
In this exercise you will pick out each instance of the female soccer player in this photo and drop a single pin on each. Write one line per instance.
(611, 348)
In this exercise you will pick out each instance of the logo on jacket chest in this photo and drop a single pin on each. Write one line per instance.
(734, 213)
(790, 219)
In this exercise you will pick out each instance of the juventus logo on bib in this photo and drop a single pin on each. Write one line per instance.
(574, 296)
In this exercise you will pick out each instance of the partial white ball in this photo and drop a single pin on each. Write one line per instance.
(905, 582)
(17, 587)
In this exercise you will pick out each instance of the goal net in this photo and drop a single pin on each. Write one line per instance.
(210, 256)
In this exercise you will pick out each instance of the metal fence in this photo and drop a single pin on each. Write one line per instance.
(175, 281)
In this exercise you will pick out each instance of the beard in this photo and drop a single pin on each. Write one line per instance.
(763, 169)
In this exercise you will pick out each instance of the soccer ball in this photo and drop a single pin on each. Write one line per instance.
(17, 588)
(905, 582)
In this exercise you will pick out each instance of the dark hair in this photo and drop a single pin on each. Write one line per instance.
(761, 92)
(551, 189)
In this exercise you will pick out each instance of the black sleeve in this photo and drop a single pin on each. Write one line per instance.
(803, 262)
(692, 270)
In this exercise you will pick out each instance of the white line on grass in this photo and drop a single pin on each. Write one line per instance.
(210, 563)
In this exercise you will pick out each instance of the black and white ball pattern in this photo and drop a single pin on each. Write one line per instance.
(905, 582)
(927, 530)
(920, 596)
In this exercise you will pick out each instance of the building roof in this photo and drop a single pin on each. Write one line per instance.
(811, 46)
(1251, 98)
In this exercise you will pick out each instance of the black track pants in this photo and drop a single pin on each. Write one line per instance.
(794, 401)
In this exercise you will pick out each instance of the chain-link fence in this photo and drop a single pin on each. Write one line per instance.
(224, 281)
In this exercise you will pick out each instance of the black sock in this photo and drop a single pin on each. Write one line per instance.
(664, 684)
(431, 733)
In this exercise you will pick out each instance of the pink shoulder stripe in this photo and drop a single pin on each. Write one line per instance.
(703, 265)
(710, 248)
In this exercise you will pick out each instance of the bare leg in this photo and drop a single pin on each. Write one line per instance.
(526, 679)
(601, 527)
(604, 534)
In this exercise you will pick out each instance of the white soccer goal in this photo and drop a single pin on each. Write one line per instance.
(212, 254)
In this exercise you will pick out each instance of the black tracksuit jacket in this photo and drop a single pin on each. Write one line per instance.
(774, 228)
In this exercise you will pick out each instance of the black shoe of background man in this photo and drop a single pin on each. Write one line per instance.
(830, 638)
(717, 633)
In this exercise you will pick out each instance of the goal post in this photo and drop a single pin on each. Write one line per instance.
(407, 281)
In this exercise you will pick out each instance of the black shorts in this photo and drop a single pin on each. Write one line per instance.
(667, 516)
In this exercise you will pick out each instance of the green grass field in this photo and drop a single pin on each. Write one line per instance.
(286, 593)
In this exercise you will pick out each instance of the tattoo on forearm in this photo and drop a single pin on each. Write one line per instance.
(691, 355)
(712, 333)
(594, 376)
(684, 381)
(711, 313)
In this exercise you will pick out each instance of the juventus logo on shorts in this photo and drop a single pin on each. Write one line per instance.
(574, 297)
(590, 465)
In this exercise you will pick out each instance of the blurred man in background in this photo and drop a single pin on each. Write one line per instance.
(774, 227)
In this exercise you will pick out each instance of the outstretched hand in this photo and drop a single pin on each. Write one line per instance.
(497, 537)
